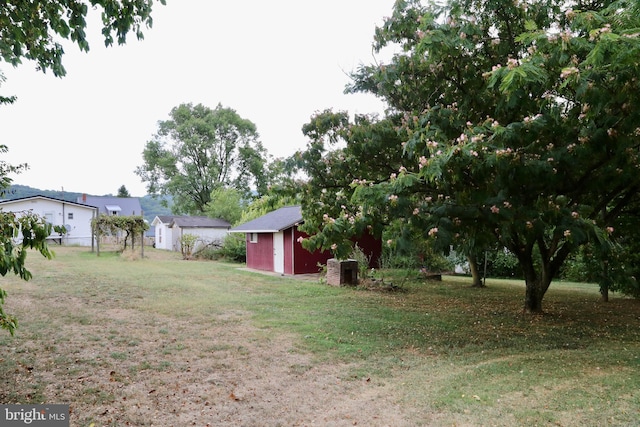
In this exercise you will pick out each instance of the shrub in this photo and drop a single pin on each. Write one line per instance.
(210, 253)
(187, 244)
(363, 261)
(234, 248)
(502, 264)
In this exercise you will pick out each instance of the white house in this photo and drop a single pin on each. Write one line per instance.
(76, 217)
(169, 229)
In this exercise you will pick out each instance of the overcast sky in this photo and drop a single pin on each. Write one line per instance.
(274, 62)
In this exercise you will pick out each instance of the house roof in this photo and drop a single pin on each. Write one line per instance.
(272, 222)
(162, 219)
(199, 222)
(107, 204)
(53, 199)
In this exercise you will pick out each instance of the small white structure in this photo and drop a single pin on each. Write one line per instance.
(75, 217)
(169, 229)
(163, 238)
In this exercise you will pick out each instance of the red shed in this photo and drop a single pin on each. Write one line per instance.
(272, 244)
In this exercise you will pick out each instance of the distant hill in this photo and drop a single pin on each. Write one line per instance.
(151, 206)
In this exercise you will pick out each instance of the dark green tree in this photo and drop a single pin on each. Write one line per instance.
(123, 192)
(199, 150)
(521, 123)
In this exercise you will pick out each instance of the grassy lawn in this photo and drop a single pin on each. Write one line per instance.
(444, 353)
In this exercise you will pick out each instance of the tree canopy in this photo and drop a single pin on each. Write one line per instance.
(34, 30)
(519, 127)
(341, 153)
(199, 150)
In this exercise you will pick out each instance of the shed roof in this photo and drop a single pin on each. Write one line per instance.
(162, 219)
(273, 222)
(199, 222)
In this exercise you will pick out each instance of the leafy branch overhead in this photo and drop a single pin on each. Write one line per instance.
(35, 30)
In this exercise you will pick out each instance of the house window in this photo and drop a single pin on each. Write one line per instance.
(113, 209)
(70, 215)
(159, 235)
(253, 237)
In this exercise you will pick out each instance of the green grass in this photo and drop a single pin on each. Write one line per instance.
(466, 355)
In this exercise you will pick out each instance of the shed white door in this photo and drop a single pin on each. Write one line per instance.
(278, 252)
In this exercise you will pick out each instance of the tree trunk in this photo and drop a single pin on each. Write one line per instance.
(475, 271)
(533, 298)
(537, 282)
(604, 292)
(536, 287)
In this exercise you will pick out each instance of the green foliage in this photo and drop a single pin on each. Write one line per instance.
(339, 156)
(60, 229)
(513, 124)
(226, 203)
(5, 99)
(199, 150)
(209, 253)
(132, 225)
(502, 264)
(187, 245)
(32, 30)
(363, 262)
(234, 247)
(19, 232)
(7, 321)
(123, 192)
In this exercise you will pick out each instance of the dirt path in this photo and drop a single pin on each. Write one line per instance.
(130, 369)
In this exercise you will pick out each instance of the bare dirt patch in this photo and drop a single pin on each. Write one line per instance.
(119, 367)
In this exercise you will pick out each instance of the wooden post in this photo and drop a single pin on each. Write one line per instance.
(142, 238)
(93, 233)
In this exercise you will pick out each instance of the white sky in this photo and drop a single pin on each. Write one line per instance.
(274, 62)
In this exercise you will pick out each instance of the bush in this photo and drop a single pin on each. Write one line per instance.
(501, 264)
(575, 269)
(187, 245)
(209, 253)
(363, 262)
(234, 248)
